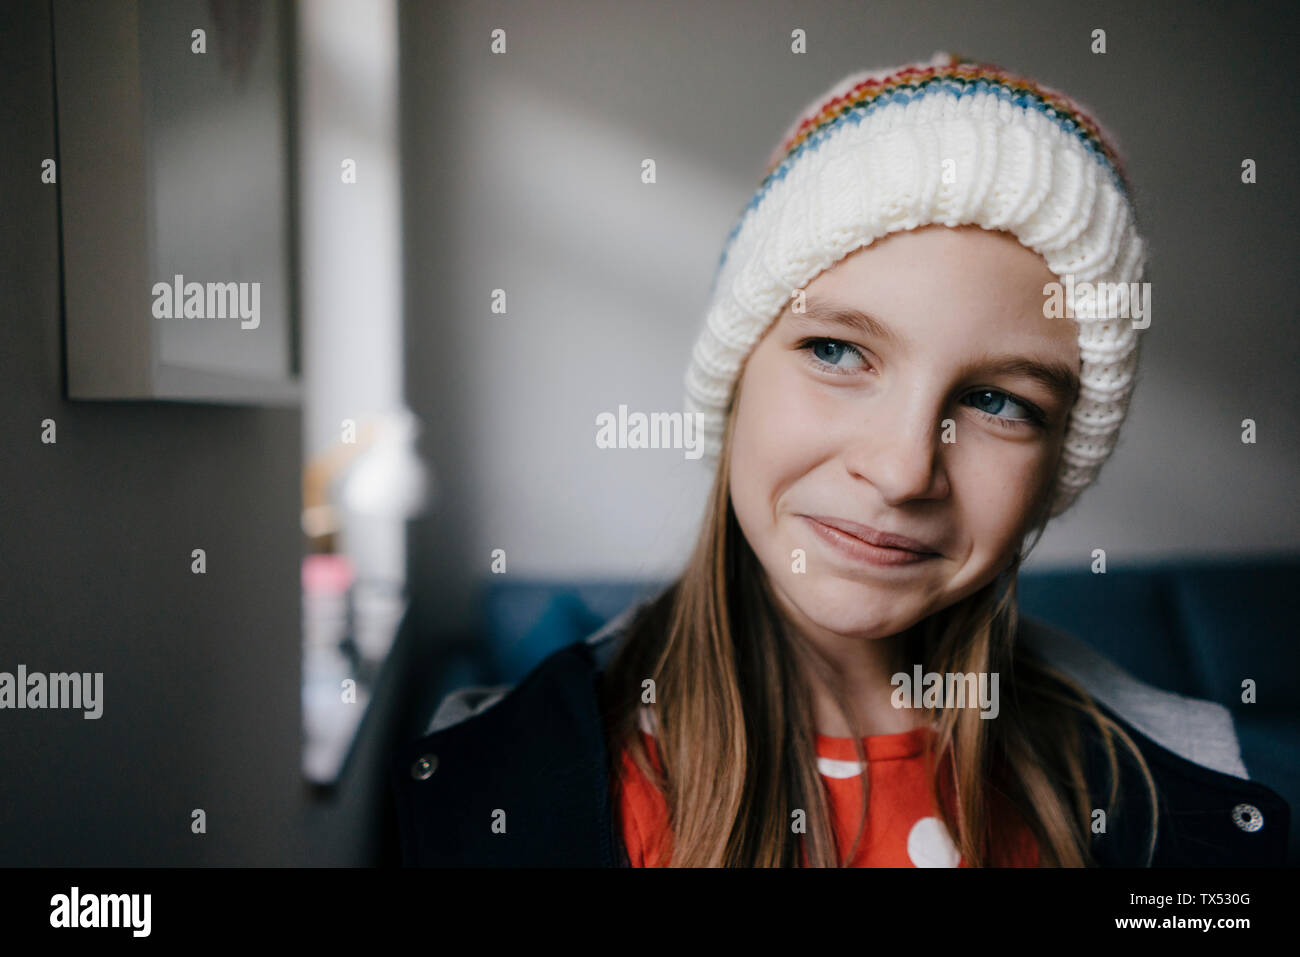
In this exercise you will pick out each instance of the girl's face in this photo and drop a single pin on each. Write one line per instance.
(921, 393)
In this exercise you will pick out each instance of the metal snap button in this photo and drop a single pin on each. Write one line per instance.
(1247, 817)
(424, 767)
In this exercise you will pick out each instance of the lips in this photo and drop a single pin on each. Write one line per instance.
(871, 536)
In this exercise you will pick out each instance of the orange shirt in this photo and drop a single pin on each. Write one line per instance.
(903, 828)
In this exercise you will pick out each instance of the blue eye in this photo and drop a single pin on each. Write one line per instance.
(841, 358)
(832, 353)
(992, 401)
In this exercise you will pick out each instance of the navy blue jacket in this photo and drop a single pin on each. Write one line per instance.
(533, 757)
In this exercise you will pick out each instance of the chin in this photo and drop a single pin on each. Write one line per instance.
(851, 609)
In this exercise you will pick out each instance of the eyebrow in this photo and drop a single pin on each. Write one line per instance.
(1057, 377)
(821, 310)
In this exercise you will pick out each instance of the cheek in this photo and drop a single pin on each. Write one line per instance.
(773, 444)
(996, 487)
(774, 412)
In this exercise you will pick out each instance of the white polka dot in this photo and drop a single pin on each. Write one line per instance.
(832, 768)
(646, 719)
(928, 844)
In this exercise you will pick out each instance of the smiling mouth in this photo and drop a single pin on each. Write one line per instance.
(860, 550)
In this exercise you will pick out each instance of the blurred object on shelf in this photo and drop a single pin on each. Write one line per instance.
(326, 580)
(388, 479)
(348, 628)
(320, 521)
(376, 612)
(357, 497)
(381, 489)
(328, 720)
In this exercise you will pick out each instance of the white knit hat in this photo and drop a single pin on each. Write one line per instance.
(867, 159)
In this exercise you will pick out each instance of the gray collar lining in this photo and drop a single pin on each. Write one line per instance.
(1201, 731)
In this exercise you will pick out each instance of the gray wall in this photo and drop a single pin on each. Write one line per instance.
(201, 673)
(522, 173)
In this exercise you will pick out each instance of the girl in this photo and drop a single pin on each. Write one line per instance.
(898, 406)
(911, 415)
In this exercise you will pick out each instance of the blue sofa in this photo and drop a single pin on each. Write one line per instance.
(1198, 628)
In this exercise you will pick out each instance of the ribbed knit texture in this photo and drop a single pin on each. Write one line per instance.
(866, 159)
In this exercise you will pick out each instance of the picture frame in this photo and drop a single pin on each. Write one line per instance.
(177, 203)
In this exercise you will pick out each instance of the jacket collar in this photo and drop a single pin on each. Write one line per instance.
(518, 776)
(1196, 730)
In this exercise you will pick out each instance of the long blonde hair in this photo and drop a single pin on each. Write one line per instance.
(736, 738)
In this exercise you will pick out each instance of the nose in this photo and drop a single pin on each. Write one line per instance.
(898, 447)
